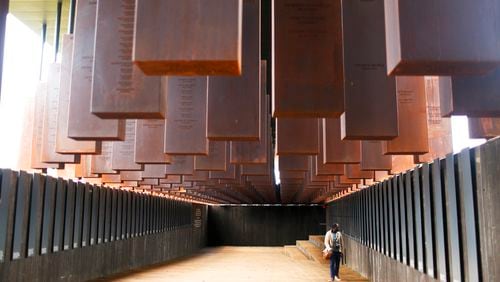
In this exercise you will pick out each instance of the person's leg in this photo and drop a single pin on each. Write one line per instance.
(332, 267)
(336, 257)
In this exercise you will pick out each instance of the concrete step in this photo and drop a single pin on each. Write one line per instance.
(311, 251)
(294, 253)
(317, 240)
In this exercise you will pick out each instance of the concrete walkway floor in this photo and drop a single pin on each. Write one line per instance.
(237, 264)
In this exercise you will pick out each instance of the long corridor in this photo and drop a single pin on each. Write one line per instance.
(237, 264)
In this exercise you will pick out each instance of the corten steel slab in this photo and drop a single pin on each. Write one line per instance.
(294, 163)
(82, 124)
(197, 176)
(370, 95)
(149, 142)
(186, 124)
(336, 150)
(85, 167)
(119, 88)
(181, 165)
(211, 33)
(439, 128)
(171, 179)
(297, 136)
(124, 151)
(149, 181)
(441, 37)
(230, 173)
(343, 180)
(474, 96)
(130, 175)
(216, 159)
(255, 169)
(233, 106)
(154, 171)
(49, 129)
(354, 171)
(134, 183)
(327, 169)
(323, 168)
(26, 141)
(255, 151)
(102, 163)
(36, 144)
(110, 178)
(484, 127)
(292, 175)
(381, 175)
(65, 145)
(412, 118)
(307, 58)
(402, 163)
(372, 157)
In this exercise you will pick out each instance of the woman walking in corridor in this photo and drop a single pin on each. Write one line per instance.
(333, 247)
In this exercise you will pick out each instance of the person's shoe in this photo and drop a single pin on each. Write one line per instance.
(337, 279)
(330, 280)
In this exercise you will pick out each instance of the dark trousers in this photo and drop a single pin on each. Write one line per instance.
(335, 264)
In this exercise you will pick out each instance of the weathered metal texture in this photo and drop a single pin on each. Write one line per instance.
(255, 169)
(484, 127)
(448, 32)
(255, 151)
(308, 78)
(149, 142)
(294, 163)
(233, 107)
(354, 171)
(180, 165)
(103, 163)
(292, 174)
(343, 180)
(65, 145)
(450, 191)
(468, 215)
(297, 136)
(456, 93)
(21, 215)
(7, 212)
(487, 176)
(82, 124)
(366, 82)
(154, 171)
(439, 129)
(130, 175)
(124, 151)
(211, 32)
(48, 151)
(119, 88)
(412, 118)
(216, 159)
(198, 176)
(372, 157)
(36, 144)
(230, 173)
(171, 179)
(148, 181)
(402, 163)
(335, 150)
(322, 168)
(111, 178)
(186, 123)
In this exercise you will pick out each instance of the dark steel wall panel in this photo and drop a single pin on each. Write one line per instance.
(439, 220)
(452, 220)
(428, 225)
(36, 215)
(69, 221)
(59, 215)
(419, 236)
(78, 230)
(48, 215)
(8, 191)
(21, 220)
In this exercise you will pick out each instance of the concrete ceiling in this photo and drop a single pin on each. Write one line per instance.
(35, 12)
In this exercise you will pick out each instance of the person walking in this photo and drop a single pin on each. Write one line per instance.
(334, 246)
